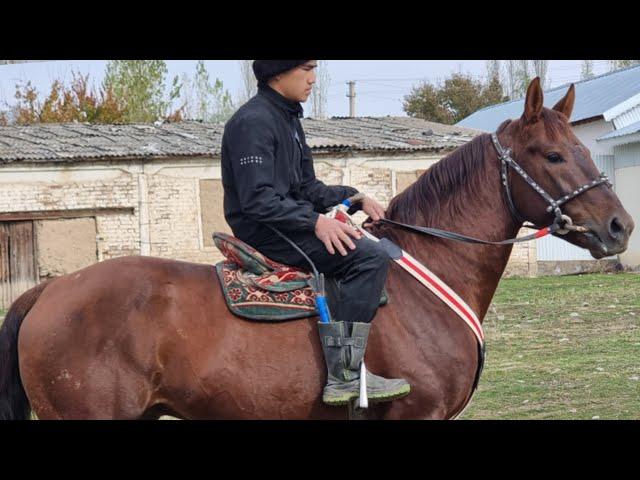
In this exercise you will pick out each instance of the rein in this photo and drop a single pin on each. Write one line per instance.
(436, 232)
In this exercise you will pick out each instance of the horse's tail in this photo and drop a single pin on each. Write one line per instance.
(14, 404)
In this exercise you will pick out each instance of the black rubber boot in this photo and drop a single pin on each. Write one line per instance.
(343, 353)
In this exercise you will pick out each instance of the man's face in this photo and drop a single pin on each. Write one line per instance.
(296, 84)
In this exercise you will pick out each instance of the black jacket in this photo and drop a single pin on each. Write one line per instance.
(267, 170)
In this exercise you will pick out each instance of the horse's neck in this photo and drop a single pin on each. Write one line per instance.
(471, 270)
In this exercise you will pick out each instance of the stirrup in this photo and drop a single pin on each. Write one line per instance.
(354, 412)
(363, 401)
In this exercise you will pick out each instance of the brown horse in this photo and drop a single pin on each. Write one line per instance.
(138, 337)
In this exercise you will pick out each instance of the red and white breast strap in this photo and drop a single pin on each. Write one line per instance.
(426, 277)
(430, 280)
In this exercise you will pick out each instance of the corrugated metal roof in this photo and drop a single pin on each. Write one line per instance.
(72, 141)
(593, 97)
(628, 130)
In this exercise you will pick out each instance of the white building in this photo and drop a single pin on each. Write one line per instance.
(75, 194)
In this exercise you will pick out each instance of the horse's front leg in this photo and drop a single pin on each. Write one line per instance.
(416, 406)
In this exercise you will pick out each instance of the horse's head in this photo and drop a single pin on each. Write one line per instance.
(544, 145)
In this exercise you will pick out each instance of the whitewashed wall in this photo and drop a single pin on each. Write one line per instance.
(588, 132)
(154, 208)
(627, 181)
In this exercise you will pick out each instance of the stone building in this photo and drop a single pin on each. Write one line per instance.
(75, 194)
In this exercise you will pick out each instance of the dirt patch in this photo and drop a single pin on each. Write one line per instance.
(569, 267)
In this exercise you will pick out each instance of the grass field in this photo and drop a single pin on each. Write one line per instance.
(561, 348)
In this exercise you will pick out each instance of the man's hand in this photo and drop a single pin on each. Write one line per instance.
(372, 208)
(335, 233)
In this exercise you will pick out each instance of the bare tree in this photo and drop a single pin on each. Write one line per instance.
(511, 78)
(523, 78)
(320, 89)
(249, 82)
(493, 69)
(518, 75)
(204, 99)
(540, 70)
(618, 64)
(586, 70)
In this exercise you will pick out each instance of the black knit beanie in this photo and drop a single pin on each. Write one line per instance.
(266, 69)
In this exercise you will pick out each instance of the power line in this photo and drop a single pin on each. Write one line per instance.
(385, 98)
(397, 87)
(338, 83)
(14, 62)
(367, 92)
(400, 79)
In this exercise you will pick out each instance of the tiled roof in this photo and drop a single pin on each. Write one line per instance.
(76, 141)
(384, 133)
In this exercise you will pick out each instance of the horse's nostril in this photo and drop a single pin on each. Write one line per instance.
(616, 228)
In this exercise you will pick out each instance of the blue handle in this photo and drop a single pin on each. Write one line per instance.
(321, 305)
(346, 203)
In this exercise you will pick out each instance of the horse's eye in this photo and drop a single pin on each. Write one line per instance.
(555, 158)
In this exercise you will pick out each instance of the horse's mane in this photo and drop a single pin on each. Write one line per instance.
(441, 186)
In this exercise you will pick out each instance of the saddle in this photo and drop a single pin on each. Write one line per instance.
(258, 288)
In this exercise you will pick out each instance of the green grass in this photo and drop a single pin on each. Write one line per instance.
(562, 348)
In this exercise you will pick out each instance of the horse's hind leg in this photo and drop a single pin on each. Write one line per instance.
(62, 404)
(74, 367)
(101, 392)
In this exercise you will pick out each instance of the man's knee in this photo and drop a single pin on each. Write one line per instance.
(372, 252)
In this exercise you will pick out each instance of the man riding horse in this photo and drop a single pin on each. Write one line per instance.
(269, 180)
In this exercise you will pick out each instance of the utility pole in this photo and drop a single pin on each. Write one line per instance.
(9, 62)
(352, 98)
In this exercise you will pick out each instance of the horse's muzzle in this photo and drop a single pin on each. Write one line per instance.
(611, 238)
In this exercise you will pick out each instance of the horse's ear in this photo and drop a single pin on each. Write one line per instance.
(533, 102)
(565, 105)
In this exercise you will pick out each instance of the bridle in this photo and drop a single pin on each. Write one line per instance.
(562, 223)
(561, 220)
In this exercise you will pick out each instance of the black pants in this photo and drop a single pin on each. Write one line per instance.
(361, 273)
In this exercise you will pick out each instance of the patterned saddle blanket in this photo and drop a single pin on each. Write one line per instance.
(258, 288)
